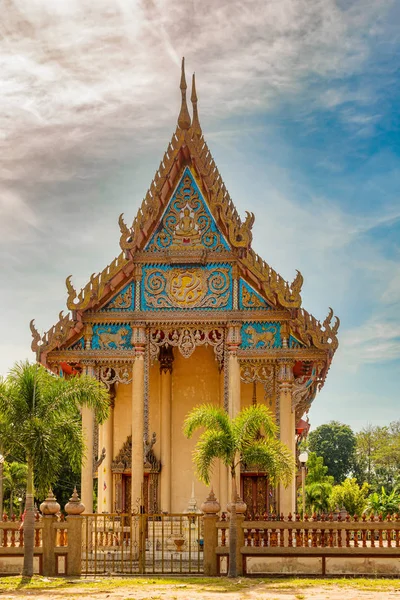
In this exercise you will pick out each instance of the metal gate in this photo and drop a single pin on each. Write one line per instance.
(123, 543)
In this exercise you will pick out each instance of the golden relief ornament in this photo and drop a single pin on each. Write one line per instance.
(251, 300)
(186, 339)
(261, 335)
(187, 288)
(187, 221)
(122, 301)
(253, 372)
(115, 374)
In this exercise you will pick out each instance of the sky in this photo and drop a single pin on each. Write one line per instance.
(298, 101)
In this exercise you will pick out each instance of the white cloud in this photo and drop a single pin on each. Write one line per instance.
(74, 72)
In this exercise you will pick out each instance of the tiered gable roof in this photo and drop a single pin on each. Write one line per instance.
(188, 162)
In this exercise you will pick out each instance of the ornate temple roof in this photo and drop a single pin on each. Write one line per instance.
(188, 155)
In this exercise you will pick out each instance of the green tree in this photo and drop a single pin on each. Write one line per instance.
(378, 455)
(336, 443)
(15, 477)
(318, 486)
(384, 503)
(40, 425)
(350, 495)
(251, 438)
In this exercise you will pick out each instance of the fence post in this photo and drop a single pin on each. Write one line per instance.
(210, 509)
(49, 508)
(240, 543)
(74, 509)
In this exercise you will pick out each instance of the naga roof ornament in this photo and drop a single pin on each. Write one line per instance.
(188, 167)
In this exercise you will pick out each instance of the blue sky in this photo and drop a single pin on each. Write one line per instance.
(298, 102)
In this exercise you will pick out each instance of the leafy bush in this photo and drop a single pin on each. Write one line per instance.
(351, 496)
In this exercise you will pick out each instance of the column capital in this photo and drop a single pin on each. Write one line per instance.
(234, 337)
(139, 338)
(285, 374)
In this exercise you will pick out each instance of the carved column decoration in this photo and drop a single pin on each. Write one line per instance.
(285, 334)
(226, 377)
(87, 336)
(235, 287)
(146, 394)
(166, 362)
(137, 276)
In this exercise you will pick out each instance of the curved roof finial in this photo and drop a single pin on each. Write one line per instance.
(184, 117)
(196, 123)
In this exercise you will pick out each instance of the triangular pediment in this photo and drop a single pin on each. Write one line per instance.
(186, 236)
(250, 299)
(124, 300)
(187, 222)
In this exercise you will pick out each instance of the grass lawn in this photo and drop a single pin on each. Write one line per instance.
(161, 588)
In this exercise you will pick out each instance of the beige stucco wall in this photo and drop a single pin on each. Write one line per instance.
(122, 416)
(246, 394)
(154, 406)
(195, 380)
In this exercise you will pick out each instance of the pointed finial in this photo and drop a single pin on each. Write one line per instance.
(184, 117)
(196, 123)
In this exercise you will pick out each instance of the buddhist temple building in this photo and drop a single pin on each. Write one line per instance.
(186, 314)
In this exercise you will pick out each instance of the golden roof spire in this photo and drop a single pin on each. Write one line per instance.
(184, 117)
(196, 123)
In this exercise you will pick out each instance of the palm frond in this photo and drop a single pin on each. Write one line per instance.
(77, 392)
(209, 417)
(271, 456)
(251, 422)
(212, 445)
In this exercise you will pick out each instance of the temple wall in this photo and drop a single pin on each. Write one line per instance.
(195, 380)
(246, 394)
(154, 406)
(122, 416)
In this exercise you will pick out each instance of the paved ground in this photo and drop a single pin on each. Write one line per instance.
(203, 589)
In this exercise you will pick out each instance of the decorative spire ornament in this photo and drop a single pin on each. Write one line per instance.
(196, 123)
(184, 117)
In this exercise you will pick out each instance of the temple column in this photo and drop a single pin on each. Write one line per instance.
(233, 343)
(106, 439)
(166, 361)
(138, 340)
(223, 470)
(87, 466)
(108, 444)
(287, 496)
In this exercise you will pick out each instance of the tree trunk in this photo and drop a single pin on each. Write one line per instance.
(11, 503)
(232, 572)
(29, 524)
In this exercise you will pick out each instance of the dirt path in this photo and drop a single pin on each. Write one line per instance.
(126, 589)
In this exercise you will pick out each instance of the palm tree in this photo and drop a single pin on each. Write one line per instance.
(250, 438)
(15, 477)
(40, 424)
